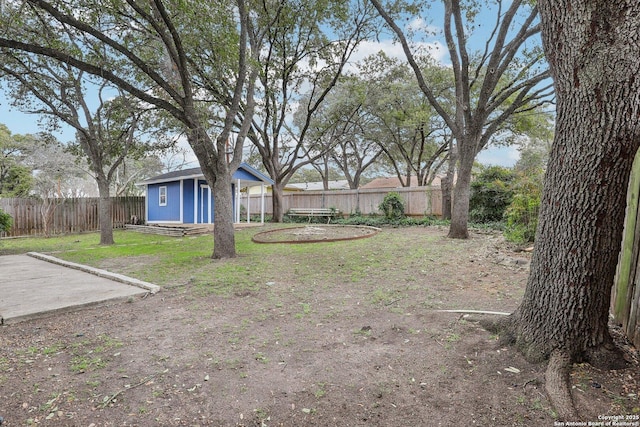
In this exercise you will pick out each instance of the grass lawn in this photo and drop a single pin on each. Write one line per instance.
(173, 261)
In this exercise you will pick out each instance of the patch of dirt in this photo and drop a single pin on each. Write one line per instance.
(298, 352)
(315, 233)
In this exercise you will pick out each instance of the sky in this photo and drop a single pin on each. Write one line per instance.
(20, 123)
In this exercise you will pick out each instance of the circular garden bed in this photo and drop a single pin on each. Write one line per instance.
(315, 233)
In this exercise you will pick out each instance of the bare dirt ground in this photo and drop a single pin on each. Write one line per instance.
(295, 352)
(313, 233)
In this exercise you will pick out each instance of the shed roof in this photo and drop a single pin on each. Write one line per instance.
(244, 173)
(174, 175)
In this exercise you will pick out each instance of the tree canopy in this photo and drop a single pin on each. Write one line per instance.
(15, 177)
(505, 76)
(376, 118)
(189, 61)
(306, 45)
(207, 70)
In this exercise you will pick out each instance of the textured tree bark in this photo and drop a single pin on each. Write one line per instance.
(223, 231)
(593, 48)
(461, 195)
(557, 384)
(104, 207)
(446, 186)
(277, 202)
(447, 181)
(217, 172)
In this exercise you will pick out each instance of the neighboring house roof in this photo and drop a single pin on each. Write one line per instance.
(256, 189)
(197, 173)
(337, 184)
(388, 182)
(394, 182)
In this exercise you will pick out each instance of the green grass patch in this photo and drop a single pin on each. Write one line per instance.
(93, 354)
(81, 364)
(4, 364)
(385, 296)
(175, 261)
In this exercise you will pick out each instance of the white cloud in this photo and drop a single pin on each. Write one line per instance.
(499, 156)
(419, 25)
(393, 49)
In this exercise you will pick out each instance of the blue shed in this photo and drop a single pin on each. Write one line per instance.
(184, 197)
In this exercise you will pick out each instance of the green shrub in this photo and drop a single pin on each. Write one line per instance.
(491, 194)
(522, 214)
(392, 206)
(380, 221)
(5, 221)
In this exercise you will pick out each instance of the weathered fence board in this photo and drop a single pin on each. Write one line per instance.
(81, 214)
(419, 201)
(626, 292)
(34, 217)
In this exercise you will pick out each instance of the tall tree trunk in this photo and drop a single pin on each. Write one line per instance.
(447, 182)
(325, 174)
(461, 194)
(216, 171)
(278, 202)
(593, 50)
(224, 241)
(566, 303)
(446, 187)
(104, 212)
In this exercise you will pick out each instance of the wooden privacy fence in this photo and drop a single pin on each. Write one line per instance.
(626, 292)
(36, 217)
(418, 201)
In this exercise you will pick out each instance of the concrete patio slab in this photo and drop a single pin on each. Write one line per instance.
(33, 287)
